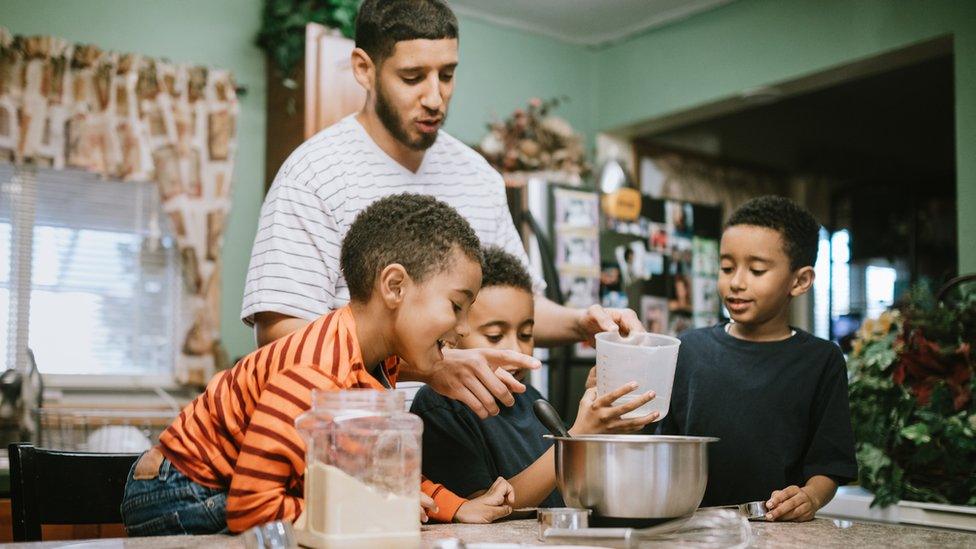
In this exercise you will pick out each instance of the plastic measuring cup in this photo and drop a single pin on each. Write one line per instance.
(649, 359)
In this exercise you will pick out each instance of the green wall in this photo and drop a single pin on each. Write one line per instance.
(748, 43)
(500, 70)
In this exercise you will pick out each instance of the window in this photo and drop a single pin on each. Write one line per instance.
(840, 279)
(821, 287)
(89, 278)
(834, 314)
(879, 284)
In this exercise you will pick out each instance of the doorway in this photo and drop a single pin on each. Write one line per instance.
(870, 149)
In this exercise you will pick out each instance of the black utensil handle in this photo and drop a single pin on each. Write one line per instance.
(549, 417)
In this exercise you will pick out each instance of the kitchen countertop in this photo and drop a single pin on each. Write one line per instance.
(817, 533)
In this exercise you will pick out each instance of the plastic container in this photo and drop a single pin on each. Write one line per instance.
(362, 473)
(649, 359)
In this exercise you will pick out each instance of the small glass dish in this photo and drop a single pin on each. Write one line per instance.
(562, 517)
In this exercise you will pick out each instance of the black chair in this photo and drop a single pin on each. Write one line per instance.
(57, 487)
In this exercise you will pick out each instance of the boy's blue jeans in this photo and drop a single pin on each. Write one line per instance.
(171, 504)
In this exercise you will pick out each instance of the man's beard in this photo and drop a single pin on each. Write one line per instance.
(391, 121)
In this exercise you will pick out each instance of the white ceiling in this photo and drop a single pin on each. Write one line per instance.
(587, 22)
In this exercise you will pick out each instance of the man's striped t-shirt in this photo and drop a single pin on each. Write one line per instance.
(321, 188)
(239, 435)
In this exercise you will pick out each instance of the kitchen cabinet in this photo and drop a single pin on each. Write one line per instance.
(51, 532)
(320, 93)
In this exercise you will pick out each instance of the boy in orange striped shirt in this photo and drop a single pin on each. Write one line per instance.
(233, 458)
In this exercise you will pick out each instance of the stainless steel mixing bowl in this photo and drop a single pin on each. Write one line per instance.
(632, 480)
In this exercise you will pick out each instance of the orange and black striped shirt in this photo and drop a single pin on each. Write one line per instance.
(240, 436)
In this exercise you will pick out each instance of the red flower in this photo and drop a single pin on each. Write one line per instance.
(922, 364)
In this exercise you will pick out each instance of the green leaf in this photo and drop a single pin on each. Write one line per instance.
(283, 26)
(918, 433)
(905, 449)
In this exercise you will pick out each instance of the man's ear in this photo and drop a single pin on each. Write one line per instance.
(364, 70)
(802, 281)
(393, 281)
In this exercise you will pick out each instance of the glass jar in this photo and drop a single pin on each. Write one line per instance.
(362, 471)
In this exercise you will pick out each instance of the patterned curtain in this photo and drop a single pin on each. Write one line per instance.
(134, 118)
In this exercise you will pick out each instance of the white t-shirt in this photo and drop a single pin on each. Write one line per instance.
(321, 188)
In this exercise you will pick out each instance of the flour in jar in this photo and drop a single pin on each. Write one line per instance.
(338, 505)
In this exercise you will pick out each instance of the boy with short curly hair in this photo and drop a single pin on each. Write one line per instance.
(775, 395)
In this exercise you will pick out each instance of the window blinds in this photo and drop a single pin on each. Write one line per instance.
(89, 275)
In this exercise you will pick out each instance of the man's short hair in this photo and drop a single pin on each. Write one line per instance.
(500, 268)
(798, 227)
(416, 231)
(380, 24)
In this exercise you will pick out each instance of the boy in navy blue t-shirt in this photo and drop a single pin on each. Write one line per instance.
(776, 396)
(467, 454)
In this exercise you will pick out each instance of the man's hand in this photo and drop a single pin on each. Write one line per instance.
(596, 319)
(791, 504)
(426, 504)
(477, 377)
(494, 504)
(599, 415)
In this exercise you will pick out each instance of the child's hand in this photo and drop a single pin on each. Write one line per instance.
(426, 504)
(494, 504)
(791, 504)
(599, 415)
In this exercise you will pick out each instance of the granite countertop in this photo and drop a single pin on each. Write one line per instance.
(817, 533)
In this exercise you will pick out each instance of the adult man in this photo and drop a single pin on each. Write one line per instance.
(405, 58)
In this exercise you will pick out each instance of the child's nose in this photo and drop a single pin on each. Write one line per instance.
(462, 328)
(510, 344)
(737, 282)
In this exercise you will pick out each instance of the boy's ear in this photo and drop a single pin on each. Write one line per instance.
(802, 281)
(392, 285)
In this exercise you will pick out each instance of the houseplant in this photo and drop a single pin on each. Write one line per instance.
(912, 405)
(282, 34)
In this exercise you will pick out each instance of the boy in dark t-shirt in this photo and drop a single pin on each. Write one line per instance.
(466, 454)
(775, 396)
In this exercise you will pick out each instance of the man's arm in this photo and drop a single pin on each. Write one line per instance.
(269, 326)
(555, 325)
(558, 325)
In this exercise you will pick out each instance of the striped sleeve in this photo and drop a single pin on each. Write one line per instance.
(267, 476)
(294, 265)
(447, 502)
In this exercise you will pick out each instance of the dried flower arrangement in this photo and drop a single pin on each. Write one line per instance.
(533, 139)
